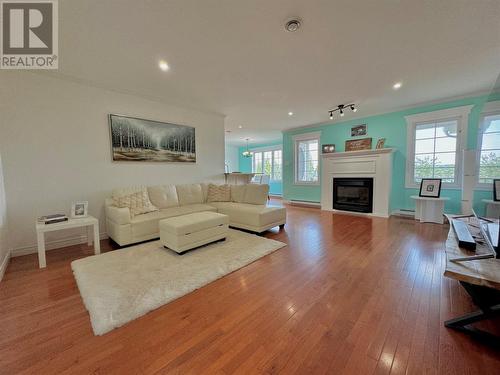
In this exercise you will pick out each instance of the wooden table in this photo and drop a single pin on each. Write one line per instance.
(429, 210)
(480, 278)
(90, 222)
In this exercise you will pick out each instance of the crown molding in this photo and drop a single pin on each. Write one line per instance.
(394, 110)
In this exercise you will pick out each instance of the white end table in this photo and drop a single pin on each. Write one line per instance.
(429, 210)
(90, 222)
(492, 208)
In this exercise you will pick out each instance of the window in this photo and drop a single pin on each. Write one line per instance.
(267, 161)
(435, 151)
(257, 162)
(307, 159)
(435, 141)
(489, 149)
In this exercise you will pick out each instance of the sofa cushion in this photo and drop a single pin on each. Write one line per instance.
(204, 190)
(163, 196)
(138, 203)
(219, 193)
(147, 224)
(256, 194)
(192, 223)
(251, 214)
(189, 194)
(238, 193)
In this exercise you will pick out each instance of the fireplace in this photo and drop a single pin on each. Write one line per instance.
(353, 194)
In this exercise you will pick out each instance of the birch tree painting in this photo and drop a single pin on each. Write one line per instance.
(134, 139)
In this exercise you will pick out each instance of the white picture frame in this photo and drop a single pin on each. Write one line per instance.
(79, 209)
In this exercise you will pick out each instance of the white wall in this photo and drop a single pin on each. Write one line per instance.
(54, 136)
(4, 250)
(232, 158)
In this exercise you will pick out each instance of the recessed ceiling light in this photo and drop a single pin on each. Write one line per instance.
(397, 85)
(240, 127)
(290, 113)
(163, 65)
(292, 25)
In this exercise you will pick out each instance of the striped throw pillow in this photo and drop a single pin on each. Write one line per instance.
(138, 203)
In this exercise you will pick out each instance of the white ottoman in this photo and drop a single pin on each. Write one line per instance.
(182, 233)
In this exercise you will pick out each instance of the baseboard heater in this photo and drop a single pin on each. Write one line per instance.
(404, 212)
(295, 202)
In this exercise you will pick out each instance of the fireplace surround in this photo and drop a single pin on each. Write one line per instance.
(373, 164)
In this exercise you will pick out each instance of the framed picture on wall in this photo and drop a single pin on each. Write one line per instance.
(358, 130)
(430, 188)
(136, 139)
(496, 190)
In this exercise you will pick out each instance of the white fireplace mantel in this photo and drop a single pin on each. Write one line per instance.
(376, 164)
(357, 153)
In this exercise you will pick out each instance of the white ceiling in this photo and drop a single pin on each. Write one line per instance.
(234, 57)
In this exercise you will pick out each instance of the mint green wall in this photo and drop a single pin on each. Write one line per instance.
(391, 126)
(275, 188)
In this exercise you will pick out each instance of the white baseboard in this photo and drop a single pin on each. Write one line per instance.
(55, 244)
(4, 265)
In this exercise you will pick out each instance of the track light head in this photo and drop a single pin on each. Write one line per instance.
(341, 113)
(353, 108)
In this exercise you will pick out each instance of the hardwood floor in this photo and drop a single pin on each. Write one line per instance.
(348, 295)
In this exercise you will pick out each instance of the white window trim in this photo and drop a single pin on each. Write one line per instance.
(461, 114)
(490, 108)
(305, 137)
(269, 148)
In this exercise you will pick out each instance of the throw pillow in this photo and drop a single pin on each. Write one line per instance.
(138, 203)
(219, 193)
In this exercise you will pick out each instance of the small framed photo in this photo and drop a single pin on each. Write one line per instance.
(496, 190)
(359, 130)
(327, 149)
(430, 188)
(79, 210)
(380, 143)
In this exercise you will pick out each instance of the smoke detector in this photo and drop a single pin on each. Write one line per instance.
(292, 25)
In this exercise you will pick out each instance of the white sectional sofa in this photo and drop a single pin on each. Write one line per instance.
(246, 209)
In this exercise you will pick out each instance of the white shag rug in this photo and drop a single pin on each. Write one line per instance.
(122, 285)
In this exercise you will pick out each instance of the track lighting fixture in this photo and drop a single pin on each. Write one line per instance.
(341, 109)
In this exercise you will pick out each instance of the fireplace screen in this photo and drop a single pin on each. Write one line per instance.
(353, 194)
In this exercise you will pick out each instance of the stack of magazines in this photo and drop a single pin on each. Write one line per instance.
(51, 219)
